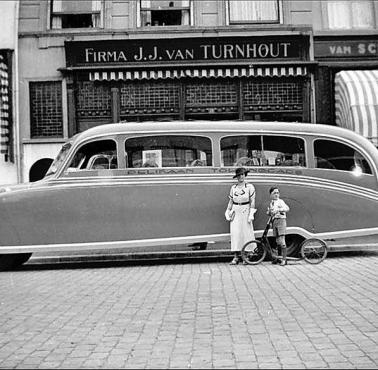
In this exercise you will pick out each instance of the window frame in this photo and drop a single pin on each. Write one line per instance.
(139, 10)
(305, 148)
(52, 14)
(230, 22)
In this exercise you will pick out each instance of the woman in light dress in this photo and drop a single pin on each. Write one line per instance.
(240, 212)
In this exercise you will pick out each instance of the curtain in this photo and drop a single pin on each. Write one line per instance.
(362, 12)
(56, 21)
(185, 17)
(255, 11)
(96, 18)
(350, 14)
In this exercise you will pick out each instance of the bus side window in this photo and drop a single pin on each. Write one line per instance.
(266, 150)
(100, 154)
(333, 155)
(168, 151)
(284, 151)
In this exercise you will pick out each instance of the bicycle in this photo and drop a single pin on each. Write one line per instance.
(312, 250)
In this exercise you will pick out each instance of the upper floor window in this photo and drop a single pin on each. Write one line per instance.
(350, 14)
(164, 13)
(75, 13)
(254, 11)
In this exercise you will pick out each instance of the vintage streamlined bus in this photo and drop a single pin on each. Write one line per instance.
(164, 183)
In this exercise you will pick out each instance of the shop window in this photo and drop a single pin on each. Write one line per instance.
(268, 95)
(93, 104)
(214, 97)
(146, 99)
(97, 155)
(257, 150)
(46, 113)
(75, 13)
(168, 151)
(350, 14)
(333, 155)
(164, 13)
(272, 100)
(253, 11)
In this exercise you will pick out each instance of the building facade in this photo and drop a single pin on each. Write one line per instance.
(94, 62)
(8, 98)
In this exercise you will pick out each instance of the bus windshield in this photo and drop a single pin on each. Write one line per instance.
(59, 159)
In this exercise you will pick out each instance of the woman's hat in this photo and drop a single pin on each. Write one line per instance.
(240, 171)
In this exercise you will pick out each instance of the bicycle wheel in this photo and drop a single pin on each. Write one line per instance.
(314, 250)
(253, 252)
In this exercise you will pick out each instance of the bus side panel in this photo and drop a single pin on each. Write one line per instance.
(126, 211)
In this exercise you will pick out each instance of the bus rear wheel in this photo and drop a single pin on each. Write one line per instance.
(11, 261)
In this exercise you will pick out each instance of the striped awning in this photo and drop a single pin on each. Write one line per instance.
(356, 102)
(4, 107)
(199, 73)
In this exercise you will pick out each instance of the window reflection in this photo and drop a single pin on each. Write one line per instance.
(333, 155)
(262, 150)
(59, 159)
(97, 155)
(168, 151)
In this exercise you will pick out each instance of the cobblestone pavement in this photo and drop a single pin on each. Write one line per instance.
(197, 315)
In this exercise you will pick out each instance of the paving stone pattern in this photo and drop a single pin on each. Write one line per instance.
(203, 315)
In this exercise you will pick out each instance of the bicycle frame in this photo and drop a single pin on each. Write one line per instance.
(264, 237)
(265, 241)
(313, 250)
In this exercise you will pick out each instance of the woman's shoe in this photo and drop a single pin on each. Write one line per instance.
(235, 261)
(283, 263)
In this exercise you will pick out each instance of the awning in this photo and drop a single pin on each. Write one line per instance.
(285, 71)
(356, 102)
(4, 107)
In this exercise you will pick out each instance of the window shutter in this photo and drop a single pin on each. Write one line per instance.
(75, 6)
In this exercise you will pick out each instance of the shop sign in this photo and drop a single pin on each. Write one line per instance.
(346, 48)
(121, 52)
